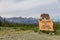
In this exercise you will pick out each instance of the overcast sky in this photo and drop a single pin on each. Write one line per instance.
(29, 8)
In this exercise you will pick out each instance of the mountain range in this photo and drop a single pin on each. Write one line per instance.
(20, 20)
(25, 20)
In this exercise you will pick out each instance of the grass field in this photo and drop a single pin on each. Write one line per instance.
(27, 32)
(26, 35)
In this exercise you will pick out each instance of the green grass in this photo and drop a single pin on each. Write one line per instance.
(33, 27)
(57, 28)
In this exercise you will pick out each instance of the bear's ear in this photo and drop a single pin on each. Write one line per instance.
(40, 19)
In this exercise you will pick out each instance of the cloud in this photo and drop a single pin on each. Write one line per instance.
(22, 7)
(10, 5)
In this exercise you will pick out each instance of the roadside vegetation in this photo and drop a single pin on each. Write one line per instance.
(18, 27)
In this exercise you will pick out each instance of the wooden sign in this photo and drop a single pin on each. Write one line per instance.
(46, 25)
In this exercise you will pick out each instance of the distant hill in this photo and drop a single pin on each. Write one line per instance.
(1, 19)
(22, 20)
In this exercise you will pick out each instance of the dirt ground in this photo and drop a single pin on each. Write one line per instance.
(26, 35)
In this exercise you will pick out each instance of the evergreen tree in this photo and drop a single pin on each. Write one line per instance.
(0, 23)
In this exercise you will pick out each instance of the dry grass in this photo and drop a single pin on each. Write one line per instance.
(26, 35)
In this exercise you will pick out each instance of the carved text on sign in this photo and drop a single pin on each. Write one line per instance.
(46, 25)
